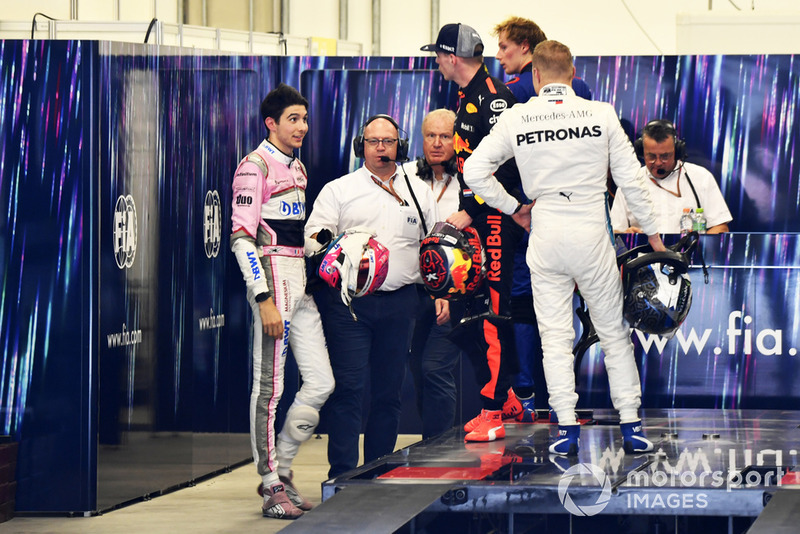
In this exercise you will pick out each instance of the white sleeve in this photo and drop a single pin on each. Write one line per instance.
(714, 205)
(325, 212)
(625, 172)
(249, 260)
(245, 217)
(494, 150)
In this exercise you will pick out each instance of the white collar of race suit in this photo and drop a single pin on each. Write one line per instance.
(277, 153)
(557, 89)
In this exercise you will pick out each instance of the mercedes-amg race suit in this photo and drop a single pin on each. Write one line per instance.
(564, 146)
(267, 240)
(480, 104)
(526, 330)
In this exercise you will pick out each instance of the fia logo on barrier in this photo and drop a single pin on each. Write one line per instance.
(125, 231)
(212, 224)
(600, 479)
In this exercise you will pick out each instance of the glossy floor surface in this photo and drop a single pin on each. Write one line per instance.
(225, 503)
(705, 463)
(710, 471)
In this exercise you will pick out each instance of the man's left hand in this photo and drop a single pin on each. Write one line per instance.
(655, 243)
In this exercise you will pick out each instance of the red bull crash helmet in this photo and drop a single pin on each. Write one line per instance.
(451, 261)
(373, 265)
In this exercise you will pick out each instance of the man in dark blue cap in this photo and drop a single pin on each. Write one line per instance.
(481, 99)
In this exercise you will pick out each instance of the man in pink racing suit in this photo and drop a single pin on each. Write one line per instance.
(267, 241)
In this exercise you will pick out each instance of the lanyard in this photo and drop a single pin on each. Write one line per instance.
(673, 193)
(444, 187)
(390, 189)
(678, 194)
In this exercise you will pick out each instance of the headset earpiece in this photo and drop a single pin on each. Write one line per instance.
(358, 144)
(450, 166)
(424, 170)
(664, 126)
(638, 147)
(402, 143)
(680, 149)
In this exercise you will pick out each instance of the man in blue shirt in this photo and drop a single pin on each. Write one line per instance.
(516, 39)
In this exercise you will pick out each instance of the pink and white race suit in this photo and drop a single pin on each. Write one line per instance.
(267, 241)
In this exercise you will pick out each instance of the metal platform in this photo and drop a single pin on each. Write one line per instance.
(706, 463)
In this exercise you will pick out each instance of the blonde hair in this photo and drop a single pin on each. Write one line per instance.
(552, 59)
(444, 113)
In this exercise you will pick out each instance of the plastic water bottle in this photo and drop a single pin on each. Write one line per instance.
(700, 222)
(687, 221)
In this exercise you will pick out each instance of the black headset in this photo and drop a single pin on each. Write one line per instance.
(402, 143)
(656, 128)
(425, 171)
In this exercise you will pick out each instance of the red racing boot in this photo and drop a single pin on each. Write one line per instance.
(489, 428)
(511, 408)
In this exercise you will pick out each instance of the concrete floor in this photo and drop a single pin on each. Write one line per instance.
(226, 503)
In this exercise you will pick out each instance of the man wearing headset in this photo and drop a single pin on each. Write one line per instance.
(674, 185)
(378, 199)
(433, 358)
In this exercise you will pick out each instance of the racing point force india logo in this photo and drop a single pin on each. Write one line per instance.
(125, 231)
(599, 479)
(212, 224)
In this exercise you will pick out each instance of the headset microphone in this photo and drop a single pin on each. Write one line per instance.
(398, 160)
(661, 172)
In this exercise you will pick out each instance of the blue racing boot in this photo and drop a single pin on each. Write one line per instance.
(553, 416)
(569, 437)
(633, 439)
(528, 413)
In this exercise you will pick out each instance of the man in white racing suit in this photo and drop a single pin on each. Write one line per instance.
(564, 146)
(267, 241)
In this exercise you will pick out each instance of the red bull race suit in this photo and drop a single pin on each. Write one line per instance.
(480, 104)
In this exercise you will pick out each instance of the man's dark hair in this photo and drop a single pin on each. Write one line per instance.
(279, 99)
(660, 129)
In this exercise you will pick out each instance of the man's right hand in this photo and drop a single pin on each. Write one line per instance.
(460, 219)
(270, 318)
(523, 216)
